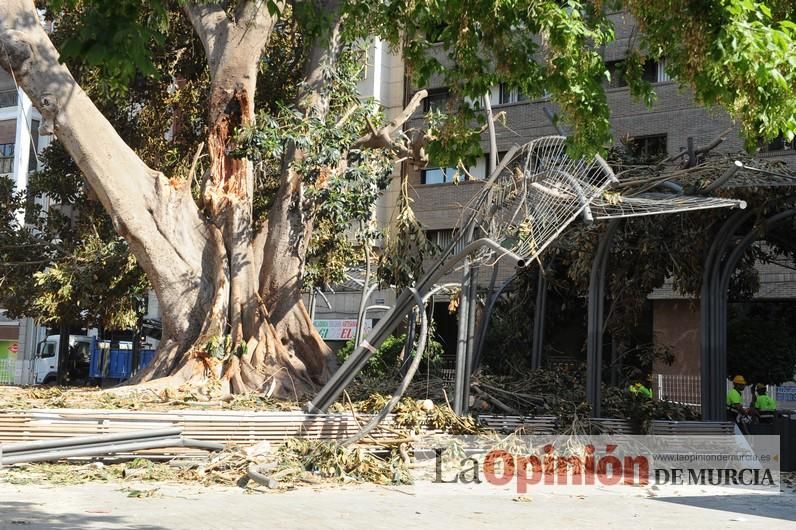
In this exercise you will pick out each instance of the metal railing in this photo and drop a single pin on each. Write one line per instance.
(8, 98)
(16, 371)
(7, 371)
(687, 389)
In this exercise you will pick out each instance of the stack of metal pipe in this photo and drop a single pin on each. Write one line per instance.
(100, 445)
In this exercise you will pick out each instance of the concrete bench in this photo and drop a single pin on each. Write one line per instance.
(690, 428)
(550, 425)
(613, 425)
(529, 424)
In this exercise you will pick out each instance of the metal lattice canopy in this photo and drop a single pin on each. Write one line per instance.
(541, 190)
(536, 195)
(533, 195)
(614, 206)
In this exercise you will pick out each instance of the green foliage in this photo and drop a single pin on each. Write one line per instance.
(736, 53)
(406, 245)
(342, 182)
(66, 263)
(541, 47)
(114, 37)
(387, 359)
(739, 54)
(763, 351)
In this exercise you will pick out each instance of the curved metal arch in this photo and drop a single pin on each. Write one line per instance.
(710, 377)
(486, 318)
(714, 375)
(538, 320)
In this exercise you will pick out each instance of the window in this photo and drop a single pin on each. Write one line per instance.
(663, 77)
(650, 74)
(653, 72)
(82, 352)
(34, 147)
(616, 70)
(437, 175)
(444, 238)
(650, 148)
(510, 95)
(46, 349)
(6, 158)
(8, 98)
(437, 99)
(777, 144)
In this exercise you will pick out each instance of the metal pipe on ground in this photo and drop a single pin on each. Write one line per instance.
(105, 449)
(97, 446)
(87, 440)
(166, 441)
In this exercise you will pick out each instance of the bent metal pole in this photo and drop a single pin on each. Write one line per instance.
(346, 373)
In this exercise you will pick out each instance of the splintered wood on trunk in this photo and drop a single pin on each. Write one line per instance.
(203, 265)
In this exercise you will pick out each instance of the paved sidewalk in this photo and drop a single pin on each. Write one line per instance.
(172, 506)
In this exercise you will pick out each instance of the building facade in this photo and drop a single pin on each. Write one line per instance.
(20, 144)
(664, 129)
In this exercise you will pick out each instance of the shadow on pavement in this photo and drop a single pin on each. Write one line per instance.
(773, 506)
(16, 515)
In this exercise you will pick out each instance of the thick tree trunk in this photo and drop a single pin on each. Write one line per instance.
(280, 281)
(213, 277)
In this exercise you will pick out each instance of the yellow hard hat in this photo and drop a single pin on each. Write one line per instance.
(739, 380)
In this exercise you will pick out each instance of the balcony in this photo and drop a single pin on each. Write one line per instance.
(8, 98)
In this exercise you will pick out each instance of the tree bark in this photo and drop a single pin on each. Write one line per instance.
(210, 278)
(157, 217)
(289, 229)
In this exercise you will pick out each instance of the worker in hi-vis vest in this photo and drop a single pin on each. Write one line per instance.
(639, 388)
(764, 406)
(735, 409)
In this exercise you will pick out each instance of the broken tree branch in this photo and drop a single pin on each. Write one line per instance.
(383, 137)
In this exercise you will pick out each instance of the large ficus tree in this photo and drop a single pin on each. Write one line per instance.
(228, 279)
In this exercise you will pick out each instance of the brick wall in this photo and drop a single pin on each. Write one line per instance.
(675, 324)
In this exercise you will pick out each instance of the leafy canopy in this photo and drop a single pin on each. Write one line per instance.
(739, 54)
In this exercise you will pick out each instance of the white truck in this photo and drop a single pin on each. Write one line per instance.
(89, 359)
(45, 367)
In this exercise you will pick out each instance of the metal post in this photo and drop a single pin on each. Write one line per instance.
(63, 355)
(472, 298)
(540, 309)
(594, 344)
(691, 153)
(313, 303)
(459, 393)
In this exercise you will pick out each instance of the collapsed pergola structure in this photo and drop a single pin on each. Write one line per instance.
(526, 203)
